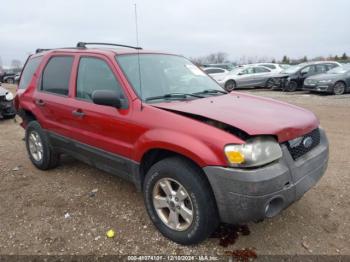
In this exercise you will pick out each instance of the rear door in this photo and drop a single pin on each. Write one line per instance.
(52, 95)
(246, 77)
(261, 75)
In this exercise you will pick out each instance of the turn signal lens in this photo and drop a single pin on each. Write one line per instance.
(235, 157)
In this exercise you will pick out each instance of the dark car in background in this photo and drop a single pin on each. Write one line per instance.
(335, 81)
(292, 78)
(7, 109)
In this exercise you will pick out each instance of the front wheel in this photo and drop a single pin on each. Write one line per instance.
(292, 86)
(339, 88)
(179, 201)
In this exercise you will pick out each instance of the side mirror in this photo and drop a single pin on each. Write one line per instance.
(107, 98)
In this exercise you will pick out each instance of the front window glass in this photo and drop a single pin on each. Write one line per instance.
(160, 74)
(95, 74)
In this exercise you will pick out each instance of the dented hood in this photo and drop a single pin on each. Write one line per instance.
(253, 115)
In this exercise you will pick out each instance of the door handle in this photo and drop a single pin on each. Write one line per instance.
(78, 113)
(39, 102)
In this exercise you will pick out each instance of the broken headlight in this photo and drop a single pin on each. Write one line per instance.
(255, 152)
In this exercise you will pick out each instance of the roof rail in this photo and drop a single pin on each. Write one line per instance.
(39, 50)
(84, 44)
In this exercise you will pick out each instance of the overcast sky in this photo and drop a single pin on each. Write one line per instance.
(193, 28)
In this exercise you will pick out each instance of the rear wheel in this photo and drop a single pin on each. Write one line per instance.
(179, 201)
(230, 85)
(39, 150)
(339, 88)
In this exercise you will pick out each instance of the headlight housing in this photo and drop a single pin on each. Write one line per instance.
(9, 96)
(255, 152)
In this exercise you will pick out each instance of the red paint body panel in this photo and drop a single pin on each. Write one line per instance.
(252, 114)
(133, 131)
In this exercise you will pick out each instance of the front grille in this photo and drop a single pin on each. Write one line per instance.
(304, 144)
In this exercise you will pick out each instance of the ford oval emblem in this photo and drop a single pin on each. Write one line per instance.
(307, 142)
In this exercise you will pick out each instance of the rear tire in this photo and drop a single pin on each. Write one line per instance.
(339, 88)
(230, 85)
(39, 149)
(196, 225)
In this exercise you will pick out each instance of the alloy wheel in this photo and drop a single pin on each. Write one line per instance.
(173, 204)
(35, 146)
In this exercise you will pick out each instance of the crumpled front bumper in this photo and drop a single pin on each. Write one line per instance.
(245, 195)
(7, 109)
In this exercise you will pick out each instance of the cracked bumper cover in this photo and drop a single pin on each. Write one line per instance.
(245, 195)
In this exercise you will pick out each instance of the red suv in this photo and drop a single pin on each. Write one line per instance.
(200, 155)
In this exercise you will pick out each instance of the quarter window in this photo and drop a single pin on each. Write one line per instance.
(95, 74)
(56, 75)
(29, 71)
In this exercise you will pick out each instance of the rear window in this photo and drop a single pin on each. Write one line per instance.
(56, 75)
(29, 71)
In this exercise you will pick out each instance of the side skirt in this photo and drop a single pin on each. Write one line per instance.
(111, 163)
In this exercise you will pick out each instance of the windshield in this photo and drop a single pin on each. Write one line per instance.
(161, 75)
(339, 70)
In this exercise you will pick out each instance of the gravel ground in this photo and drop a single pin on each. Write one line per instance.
(69, 209)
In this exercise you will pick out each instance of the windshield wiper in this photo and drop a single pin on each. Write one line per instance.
(173, 95)
(211, 91)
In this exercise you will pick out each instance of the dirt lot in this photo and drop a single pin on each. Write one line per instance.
(33, 204)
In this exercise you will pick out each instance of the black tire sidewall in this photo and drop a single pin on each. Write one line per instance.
(198, 231)
(291, 88)
(44, 163)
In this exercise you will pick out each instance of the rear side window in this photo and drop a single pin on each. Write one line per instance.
(29, 71)
(95, 74)
(56, 75)
(270, 66)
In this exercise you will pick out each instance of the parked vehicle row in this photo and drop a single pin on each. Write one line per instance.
(323, 76)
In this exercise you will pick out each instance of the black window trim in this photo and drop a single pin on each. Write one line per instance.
(39, 87)
(96, 56)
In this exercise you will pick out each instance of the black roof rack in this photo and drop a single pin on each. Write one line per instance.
(84, 44)
(39, 50)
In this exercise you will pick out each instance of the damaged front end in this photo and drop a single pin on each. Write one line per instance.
(7, 108)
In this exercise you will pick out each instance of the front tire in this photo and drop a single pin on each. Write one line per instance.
(292, 86)
(339, 88)
(179, 201)
(38, 147)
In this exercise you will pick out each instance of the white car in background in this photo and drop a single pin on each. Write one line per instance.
(215, 72)
(246, 77)
(275, 68)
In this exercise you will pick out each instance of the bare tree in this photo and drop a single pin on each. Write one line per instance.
(15, 63)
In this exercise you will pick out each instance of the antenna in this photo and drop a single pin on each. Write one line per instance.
(138, 52)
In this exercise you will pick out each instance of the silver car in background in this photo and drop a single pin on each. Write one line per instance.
(246, 77)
